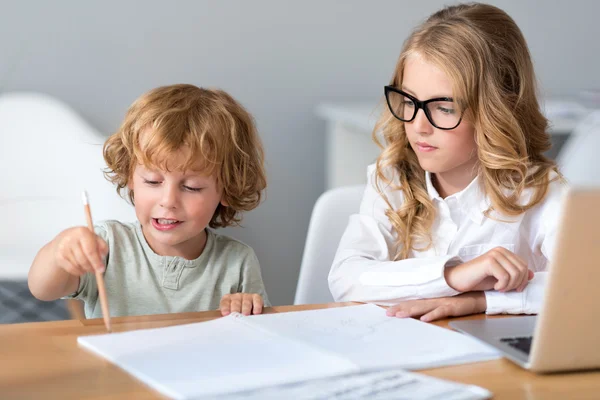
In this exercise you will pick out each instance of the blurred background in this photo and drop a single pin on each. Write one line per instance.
(291, 64)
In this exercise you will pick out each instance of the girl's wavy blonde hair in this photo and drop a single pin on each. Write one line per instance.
(213, 128)
(485, 55)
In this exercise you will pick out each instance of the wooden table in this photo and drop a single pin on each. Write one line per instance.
(43, 360)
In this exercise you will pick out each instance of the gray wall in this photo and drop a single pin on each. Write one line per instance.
(280, 59)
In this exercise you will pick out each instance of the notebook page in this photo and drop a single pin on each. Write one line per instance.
(372, 385)
(214, 357)
(367, 337)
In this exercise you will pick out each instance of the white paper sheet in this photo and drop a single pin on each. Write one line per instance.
(367, 337)
(394, 384)
(238, 353)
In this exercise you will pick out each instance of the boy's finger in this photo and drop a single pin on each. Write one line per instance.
(247, 305)
(258, 304)
(80, 259)
(236, 304)
(92, 252)
(224, 306)
(73, 269)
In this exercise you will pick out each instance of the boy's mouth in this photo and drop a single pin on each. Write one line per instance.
(165, 224)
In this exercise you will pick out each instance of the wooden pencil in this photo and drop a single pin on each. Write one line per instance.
(99, 276)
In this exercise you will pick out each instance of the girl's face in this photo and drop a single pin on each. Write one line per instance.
(174, 208)
(443, 152)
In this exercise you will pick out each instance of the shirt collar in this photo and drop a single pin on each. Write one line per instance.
(472, 199)
(167, 260)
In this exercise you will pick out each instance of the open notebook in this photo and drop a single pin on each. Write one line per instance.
(237, 353)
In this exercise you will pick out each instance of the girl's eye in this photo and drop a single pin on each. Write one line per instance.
(446, 110)
(192, 189)
(408, 103)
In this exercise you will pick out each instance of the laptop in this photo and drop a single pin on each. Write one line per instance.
(564, 336)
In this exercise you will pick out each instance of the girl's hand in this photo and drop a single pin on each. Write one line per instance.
(78, 250)
(245, 303)
(498, 269)
(433, 309)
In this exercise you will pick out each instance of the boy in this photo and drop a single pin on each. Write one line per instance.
(188, 158)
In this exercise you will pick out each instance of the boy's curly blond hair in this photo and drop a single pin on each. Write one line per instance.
(215, 129)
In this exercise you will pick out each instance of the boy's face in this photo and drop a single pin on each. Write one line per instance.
(174, 208)
(450, 152)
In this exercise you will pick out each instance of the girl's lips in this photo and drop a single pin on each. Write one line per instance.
(423, 147)
(164, 227)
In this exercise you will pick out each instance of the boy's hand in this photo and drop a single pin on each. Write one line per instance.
(432, 309)
(498, 269)
(78, 250)
(245, 303)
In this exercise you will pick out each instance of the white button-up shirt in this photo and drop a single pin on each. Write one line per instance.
(363, 269)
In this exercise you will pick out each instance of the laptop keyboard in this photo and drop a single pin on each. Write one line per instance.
(521, 343)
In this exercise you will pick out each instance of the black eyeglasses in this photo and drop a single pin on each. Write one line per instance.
(443, 112)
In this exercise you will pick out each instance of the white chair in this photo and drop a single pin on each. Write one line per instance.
(327, 224)
(48, 156)
(579, 159)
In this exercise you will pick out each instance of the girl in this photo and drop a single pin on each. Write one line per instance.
(189, 158)
(461, 206)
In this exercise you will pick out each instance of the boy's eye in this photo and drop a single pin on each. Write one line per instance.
(192, 189)
(151, 182)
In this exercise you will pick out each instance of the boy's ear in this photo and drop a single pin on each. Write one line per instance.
(224, 202)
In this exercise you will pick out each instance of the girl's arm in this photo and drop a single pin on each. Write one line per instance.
(543, 228)
(362, 269)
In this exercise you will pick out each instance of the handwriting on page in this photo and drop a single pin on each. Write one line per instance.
(346, 328)
(372, 385)
(367, 337)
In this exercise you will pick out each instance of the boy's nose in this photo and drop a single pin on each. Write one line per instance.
(169, 198)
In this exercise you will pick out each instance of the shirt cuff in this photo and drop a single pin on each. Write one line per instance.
(504, 303)
(76, 295)
(528, 301)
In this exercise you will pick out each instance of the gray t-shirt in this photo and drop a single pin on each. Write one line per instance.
(140, 282)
